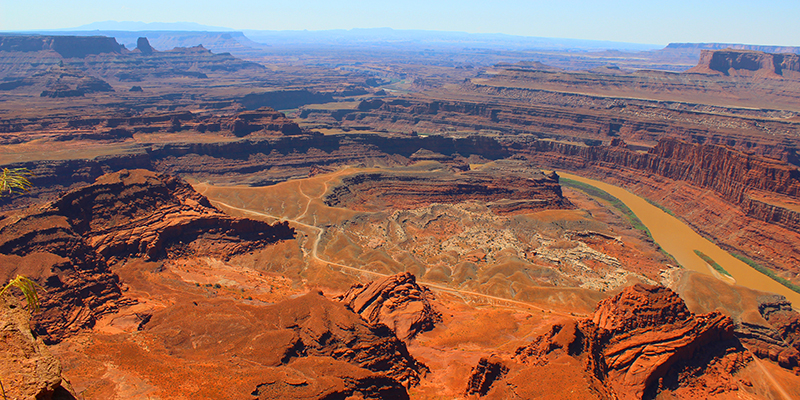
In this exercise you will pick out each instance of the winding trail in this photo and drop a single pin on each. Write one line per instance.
(463, 294)
(772, 379)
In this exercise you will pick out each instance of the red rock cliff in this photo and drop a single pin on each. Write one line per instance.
(66, 46)
(748, 64)
(733, 174)
(637, 344)
(68, 245)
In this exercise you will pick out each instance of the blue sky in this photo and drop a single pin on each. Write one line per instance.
(652, 22)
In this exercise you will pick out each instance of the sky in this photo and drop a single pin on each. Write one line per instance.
(650, 22)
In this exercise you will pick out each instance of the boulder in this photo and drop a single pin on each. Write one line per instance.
(27, 369)
(396, 301)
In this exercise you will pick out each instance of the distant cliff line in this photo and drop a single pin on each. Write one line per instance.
(733, 46)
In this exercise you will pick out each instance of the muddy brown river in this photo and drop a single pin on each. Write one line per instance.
(679, 240)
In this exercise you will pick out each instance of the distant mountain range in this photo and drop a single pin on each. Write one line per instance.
(165, 36)
(381, 37)
(720, 46)
(145, 26)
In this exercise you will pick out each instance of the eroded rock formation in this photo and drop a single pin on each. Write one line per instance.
(780, 339)
(748, 64)
(263, 119)
(738, 177)
(66, 46)
(396, 301)
(27, 368)
(636, 344)
(314, 347)
(67, 245)
(509, 188)
(483, 375)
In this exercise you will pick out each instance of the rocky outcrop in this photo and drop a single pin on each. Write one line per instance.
(314, 347)
(27, 368)
(638, 343)
(396, 301)
(143, 214)
(63, 81)
(485, 374)
(263, 119)
(648, 344)
(508, 189)
(67, 245)
(780, 340)
(640, 307)
(284, 99)
(143, 45)
(82, 86)
(66, 46)
(748, 64)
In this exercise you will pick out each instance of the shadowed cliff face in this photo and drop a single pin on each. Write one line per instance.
(738, 177)
(66, 46)
(509, 188)
(639, 343)
(69, 244)
(396, 301)
(748, 63)
(27, 368)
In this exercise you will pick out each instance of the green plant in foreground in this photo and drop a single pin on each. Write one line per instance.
(14, 180)
(712, 263)
(27, 287)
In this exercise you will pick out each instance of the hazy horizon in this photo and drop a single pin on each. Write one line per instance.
(655, 23)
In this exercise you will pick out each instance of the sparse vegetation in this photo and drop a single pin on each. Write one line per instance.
(27, 287)
(712, 263)
(619, 205)
(768, 272)
(660, 207)
(14, 180)
(608, 198)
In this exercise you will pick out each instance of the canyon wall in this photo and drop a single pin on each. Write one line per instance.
(721, 46)
(736, 176)
(579, 118)
(66, 46)
(748, 63)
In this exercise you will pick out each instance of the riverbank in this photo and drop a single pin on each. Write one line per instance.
(681, 242)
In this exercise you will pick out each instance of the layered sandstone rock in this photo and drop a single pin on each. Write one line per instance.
(67, 245)
(738, 177)
(508, 188)
(780, 339)
(263, 119)
(66, 46)
(748, 64)
(312, 347)
(27, 369)
(637, 343)
(649, 343)
(640, 307)
(396, 301)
